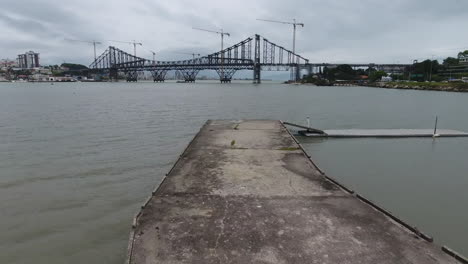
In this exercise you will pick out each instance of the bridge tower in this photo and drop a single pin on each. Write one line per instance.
(257, 66)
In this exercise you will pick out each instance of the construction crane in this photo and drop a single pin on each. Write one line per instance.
(154, 54)
(186, 53)
(221, 33)
(88, 41)
(134, 43)
(294, 23)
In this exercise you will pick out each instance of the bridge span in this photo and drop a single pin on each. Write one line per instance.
(255, 53)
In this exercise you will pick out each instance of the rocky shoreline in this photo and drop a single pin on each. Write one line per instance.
(445, 87)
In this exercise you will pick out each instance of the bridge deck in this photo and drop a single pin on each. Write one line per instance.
(402, 133)
(244, 192)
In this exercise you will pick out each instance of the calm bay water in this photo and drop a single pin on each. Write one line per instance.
(78, 159)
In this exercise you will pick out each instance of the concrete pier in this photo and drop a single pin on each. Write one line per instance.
(245, 192)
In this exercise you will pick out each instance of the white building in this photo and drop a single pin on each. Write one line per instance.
(40, 77)
(462, 58)
(28, 60)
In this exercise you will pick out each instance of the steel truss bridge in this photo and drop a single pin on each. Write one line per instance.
(254, 53)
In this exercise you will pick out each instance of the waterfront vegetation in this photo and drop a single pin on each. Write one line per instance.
(425, 75)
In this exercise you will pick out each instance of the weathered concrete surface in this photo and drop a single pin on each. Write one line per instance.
(243, 192)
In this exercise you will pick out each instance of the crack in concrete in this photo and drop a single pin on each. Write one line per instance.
(290, 184)
(221, 233)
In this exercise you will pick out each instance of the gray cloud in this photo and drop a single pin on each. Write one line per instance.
(24, 25)
(335, 31)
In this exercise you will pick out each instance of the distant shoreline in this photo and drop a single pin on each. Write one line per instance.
(429, 86)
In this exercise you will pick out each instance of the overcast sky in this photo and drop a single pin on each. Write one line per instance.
(380, 31)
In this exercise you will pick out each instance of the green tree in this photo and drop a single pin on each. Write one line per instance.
(345, 72)
(341, 72)
(377, 75)
(315, 80)
(426, 69)
(450, 61)
(463, 52)
(361, 72)
(74, 67)
(327, 74)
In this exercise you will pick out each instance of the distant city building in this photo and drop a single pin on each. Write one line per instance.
(7, 63)
(462, 58)
(28, 60)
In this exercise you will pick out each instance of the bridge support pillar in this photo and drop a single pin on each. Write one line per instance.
(257, 67)
(189, 75)
(159, 75)
(113, 74)
(225, 75)
(310, 69)
(132, 76)
(297, 70)
(257, 75)
(295, 74)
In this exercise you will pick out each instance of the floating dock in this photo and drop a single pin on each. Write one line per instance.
(384, 133)
(377, 133)
(246, 192)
